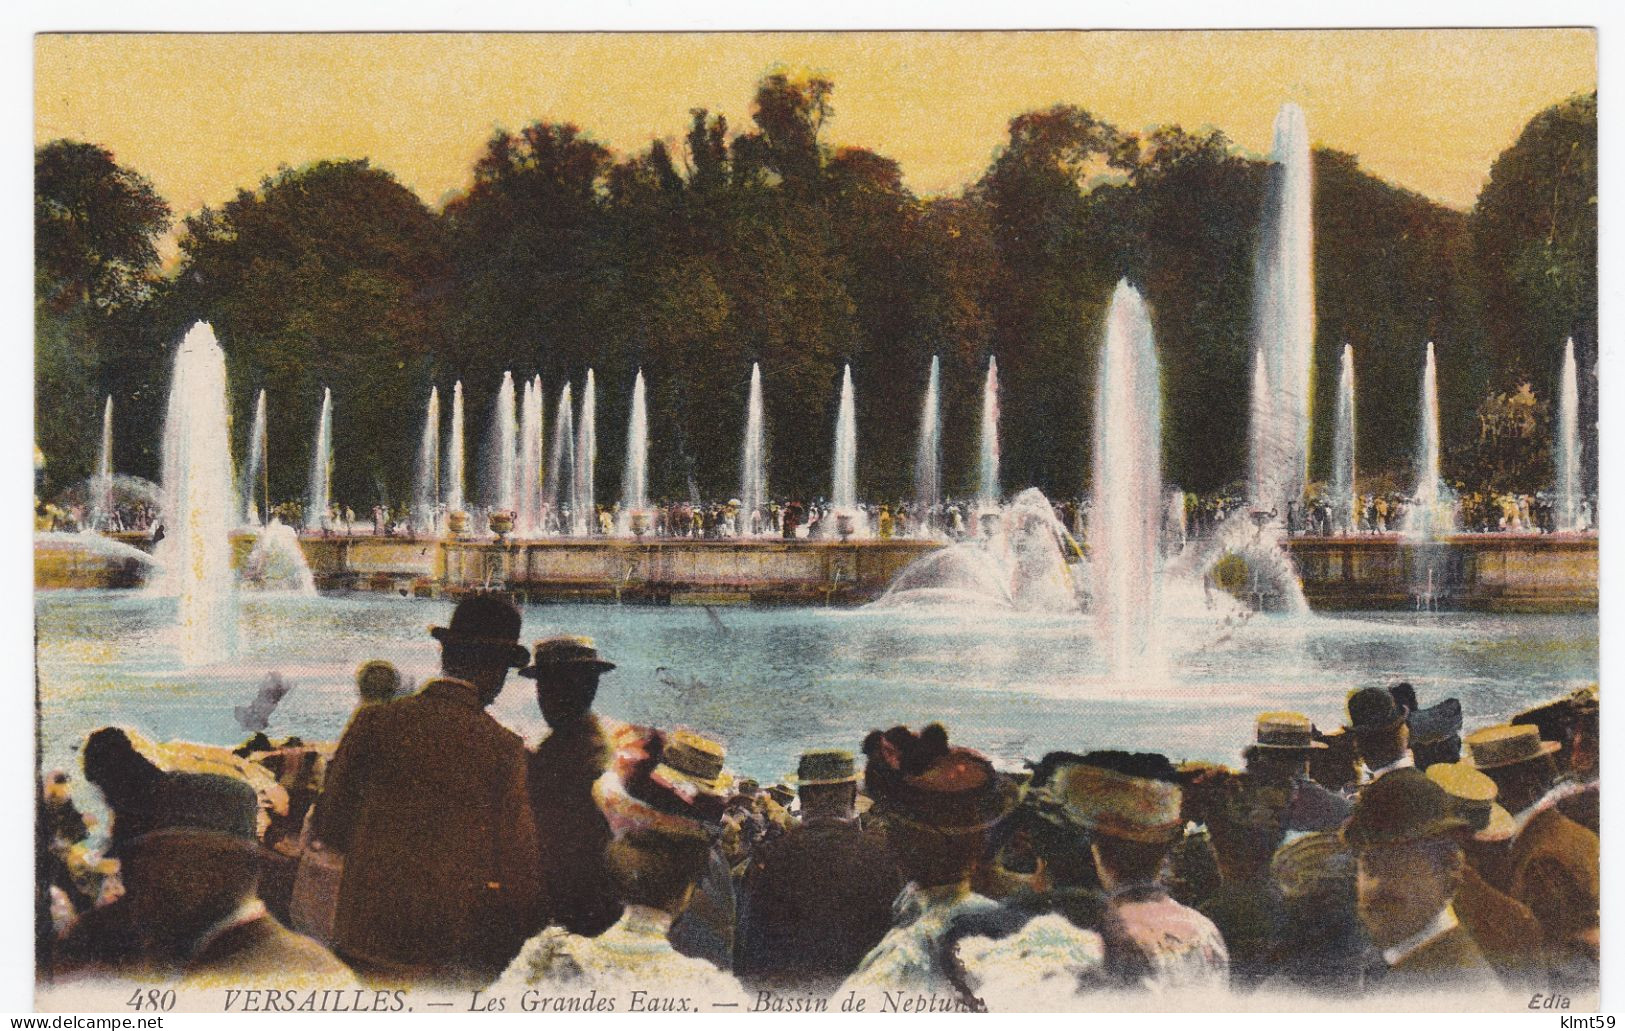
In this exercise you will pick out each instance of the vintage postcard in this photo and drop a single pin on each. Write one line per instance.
(816, 522)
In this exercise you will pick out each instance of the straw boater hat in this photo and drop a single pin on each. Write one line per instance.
(920, 779)
(565, 650)
(1401, 808)
(1119, 805)
(1286, 732)
(1507, 744)
(1474, 796)
(485, 621)
(646, 787)
(1316, 864)
(825, 766)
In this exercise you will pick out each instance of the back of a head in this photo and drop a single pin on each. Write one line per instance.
(112, 764)
(377, 681)
(656, 868)
(1133, 861)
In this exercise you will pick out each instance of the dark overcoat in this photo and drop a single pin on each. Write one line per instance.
(426, 799)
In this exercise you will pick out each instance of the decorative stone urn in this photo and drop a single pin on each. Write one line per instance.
(990, 523)
(501, 524)
(843, 525)
(457, 522)
(639, 522)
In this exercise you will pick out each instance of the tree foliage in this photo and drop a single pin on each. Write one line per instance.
(763, 243)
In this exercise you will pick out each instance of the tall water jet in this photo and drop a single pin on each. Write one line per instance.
(501, 443)
(256, 477)
(1431, 511)
(586, 460)
(199, 501)
(928, 451)
(1566, 447)
(1125, 519)
(1260, 451)
(454, 483)
(318, 496)
(634, 485)
(1341, 488)
(753, 461)
(561, 466)
(529, 510)
(426, 474)
(844, 492)
(988, 492)
(101, 505)
(1284, 315)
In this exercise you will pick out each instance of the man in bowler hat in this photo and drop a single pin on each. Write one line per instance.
(1404, 834)
(426, 798)
(1381, 735)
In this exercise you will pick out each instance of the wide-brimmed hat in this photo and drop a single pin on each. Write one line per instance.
(1374, 709)
(1507, 744)
(1285, 731)
(1119, 805)
(565, 650)
(485, 621)
(1439, 722)
(921, 779)
(825, 766)
(1401, 807)
(692, 763)
(193, 803)
(1474, 794)
(1315, 864)
(632, 798)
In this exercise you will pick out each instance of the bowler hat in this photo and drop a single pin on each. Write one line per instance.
(487, 621)
(1401, 807)
(826, 766)
(1474, 796)
(1372, 708)
(197, 803)
(1507, 744)
(1286, 731)
(565, 650)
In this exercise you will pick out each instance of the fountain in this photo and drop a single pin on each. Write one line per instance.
(501, 448)
(1342, 486)
(426, 474)
(1284, 319)
(753, 460)
(1565, 448)
(634, 481)
(584, 511)
(1126, 516)
(844, 492)
(928, 454)
(1260, 452)
(198, 501)
(256, 475)
(1431, 513)
(101, 508)
(561, 465)
(277, 562)
(988, 492)
(321, 469)
(454, 484)
(529, 519)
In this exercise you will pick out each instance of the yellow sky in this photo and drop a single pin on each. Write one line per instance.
(202, 115)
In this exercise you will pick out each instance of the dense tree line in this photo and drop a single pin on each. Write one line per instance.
(768, 245)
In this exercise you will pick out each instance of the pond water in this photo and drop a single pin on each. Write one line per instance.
(771, 682)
